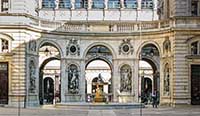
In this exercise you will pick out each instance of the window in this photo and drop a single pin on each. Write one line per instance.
(81, 3)
(4, 5)
(194, 48)
(130, 3)
(48, 4)
(64, 4)
(98, 4)
(4, 45)
(194, 8)
(113, 4)
(147, 3)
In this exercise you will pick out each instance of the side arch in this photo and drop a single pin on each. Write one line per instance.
(50, 42)
(146, 43)
(99, 44)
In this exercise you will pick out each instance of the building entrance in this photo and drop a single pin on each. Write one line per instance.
(3, 83)
(195, 85)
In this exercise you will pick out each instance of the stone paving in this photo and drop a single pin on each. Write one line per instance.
(149, 111)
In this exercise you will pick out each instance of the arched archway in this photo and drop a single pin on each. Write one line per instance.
(49, 66)
(99, 66)
(149, 66)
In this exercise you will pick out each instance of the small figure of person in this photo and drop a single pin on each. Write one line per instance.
(154, 98)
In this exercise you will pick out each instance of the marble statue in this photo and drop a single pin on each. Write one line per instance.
(73, 82)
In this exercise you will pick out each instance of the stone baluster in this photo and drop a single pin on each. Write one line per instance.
(106, 4)
(155, 4)
(122, 4)
(57, 4)
(90, 4)
(73, 4)
(139, 2)
(40, 4)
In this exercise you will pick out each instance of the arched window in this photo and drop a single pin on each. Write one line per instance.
(125, 79)
(130, 3)
(48, 4)
(73, 79)
(4, 45)
(98, 4)
(65, 4)
(147, 3)
(81, 4)
(113, 4)
(167, 80)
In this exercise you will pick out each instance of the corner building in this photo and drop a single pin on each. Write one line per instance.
(122, 50)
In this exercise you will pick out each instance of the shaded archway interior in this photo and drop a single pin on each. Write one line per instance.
(150, 82)
(98, 73)
(49, 54)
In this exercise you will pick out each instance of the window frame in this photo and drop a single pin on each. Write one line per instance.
(9, 45)
(2, 5)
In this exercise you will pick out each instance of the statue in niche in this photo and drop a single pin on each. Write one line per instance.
(32, 85)
(73, 80)
(166, 83)
(125, 84)
(32, 46)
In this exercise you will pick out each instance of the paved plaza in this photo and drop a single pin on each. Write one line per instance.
(148, 111)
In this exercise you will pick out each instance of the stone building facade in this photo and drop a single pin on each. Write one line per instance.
(119, 32)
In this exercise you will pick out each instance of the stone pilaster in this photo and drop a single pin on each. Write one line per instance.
(136, 80)
(64, 80)
(115, 81)
(82, 80)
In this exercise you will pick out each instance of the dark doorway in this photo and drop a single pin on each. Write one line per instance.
(3, 83)
(48, 90)
(195, 84)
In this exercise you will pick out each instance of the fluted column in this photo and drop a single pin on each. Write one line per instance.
(155, 3)
(139, 2)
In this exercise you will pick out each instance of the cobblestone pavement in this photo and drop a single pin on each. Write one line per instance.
(149, 111)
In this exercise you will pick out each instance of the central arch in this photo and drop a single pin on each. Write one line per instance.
(98, 65)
